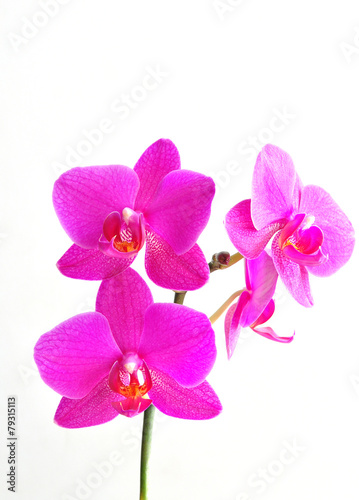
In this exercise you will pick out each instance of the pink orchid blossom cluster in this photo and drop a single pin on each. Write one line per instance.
(131, 353)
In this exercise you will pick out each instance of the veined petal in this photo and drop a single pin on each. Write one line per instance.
(266, 314)
(294, 276)
(197, 403)
(263, 278)
(177, 272)
(84, 196)
(181, 208)
(157, 161)
(75, 355)
(94, 409)
(91, 264)
(338, 243)
(124, 300)
(179, 341)
(242, 233)
(275, 188)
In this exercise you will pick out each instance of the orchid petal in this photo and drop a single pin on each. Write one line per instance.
(157, 161)
(84, 196)
(232, 326)
(338, 243)
(197, 403)
(303, 259)
(242, 233)
(275, 188)
(124, 300)
(263, 278)
(94, 409)
(181, 208)
(75, 355)
(185, 272)
(178, 341)
(270, 334)
(266, 314)
(294, 276)
(85, 264)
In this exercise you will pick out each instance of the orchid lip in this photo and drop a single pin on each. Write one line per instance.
(124, 380)
(123, 234)
(301, 241)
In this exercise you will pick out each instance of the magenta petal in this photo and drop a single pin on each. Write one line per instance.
(266, 314)
(314, 259)
(338, 243)
(275, 188)
(263, 277)
(156, 162)
(178, 341)
(242, 233)
(75, 355)
(124, 300)
(181, 208)
(197, 403)
(81, 263)
(270, 334)
(232, 326)
(84, 196)
(94, 409)
(185, 272)
(294, 276)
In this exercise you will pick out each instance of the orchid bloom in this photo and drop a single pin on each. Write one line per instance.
(128, 354)
(109, 212)
(310, 232)
(255, 305)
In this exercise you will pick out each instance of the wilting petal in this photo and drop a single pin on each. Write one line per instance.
(156, 162)
(270, 334)
(197, 403)
(85, 264)
(185, 272)
(232, 326)
(124, 300)
(178, 341)
(338, 243)
(275, 187)
(242, 233)
(84, 196)
(181, 208)
(75, 355)
(263, 279)
(94, 409)
(294, 276)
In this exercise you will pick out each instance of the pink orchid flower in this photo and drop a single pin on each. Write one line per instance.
(311, 233)
(109, 212)
(255, 305)
(128, 354)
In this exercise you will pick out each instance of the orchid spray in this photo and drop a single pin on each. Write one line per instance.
(131, 355)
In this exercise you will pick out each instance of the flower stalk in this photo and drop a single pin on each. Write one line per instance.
(148, 419)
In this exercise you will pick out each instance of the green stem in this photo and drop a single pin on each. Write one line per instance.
(224, 306)
(179, 297)
(148, 418)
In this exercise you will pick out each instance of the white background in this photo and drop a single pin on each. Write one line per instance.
(228, 68)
